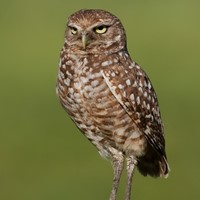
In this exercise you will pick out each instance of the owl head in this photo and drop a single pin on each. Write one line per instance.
(94, 32)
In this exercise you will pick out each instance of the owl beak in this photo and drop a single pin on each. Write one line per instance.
(85, 40)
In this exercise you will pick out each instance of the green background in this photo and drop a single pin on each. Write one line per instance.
(42, 154)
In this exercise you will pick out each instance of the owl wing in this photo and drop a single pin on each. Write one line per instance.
(132, 88)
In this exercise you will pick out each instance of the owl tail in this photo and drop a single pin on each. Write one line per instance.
(154, 165)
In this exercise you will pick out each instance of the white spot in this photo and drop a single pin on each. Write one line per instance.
(71, 90)
(144, 104)
(68, 74)
(59, 77)
(140, 89)
(67, 81)
(132, 97)
(149, 85)
(85, 61)
(120, 54)
(107, 74)
(145, 94)
(130, 66)
(135, 84)
(115, 60)
(90, 76)
(148, 107)
(106, 63)
(97, 75)
(140, 83)
(81, 126)
(91, 94)
(139, 73)
(94, 83)
(83, 79)
(128, 82)
(120, 86)
(90, 69)
(88, 88)
(82, 110)
(77, 85)
(145, 83)
(148, 116)
(62, 75)
(64, 66)
(116, 72)
(127, 104)
(124, 93)
(149, 97)
(120, 131)
(134, 135)
(138, 114)
(118, 38)
(108, 43)
(126, 55)
(138, 100)
(69, 62)
(77, 95)
(137, 66)
(113, 74)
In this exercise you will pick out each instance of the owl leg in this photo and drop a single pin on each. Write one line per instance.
(118, 164)
(131, 163)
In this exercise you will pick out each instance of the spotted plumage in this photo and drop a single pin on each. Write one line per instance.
(109, 97)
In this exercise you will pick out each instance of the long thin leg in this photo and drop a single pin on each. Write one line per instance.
(131, 163)
(118, 163)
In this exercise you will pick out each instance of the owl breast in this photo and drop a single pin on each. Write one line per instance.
(94, 109)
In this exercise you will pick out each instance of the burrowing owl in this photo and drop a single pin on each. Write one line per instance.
(109, 97)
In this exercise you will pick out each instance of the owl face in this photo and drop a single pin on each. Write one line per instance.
(94, 32)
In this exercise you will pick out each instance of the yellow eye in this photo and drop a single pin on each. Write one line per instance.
(101, 29)
(74, 30)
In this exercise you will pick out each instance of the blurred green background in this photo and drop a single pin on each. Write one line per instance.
(42, 154)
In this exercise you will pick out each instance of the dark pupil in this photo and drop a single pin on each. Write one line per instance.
(74, 29)
(101, 27)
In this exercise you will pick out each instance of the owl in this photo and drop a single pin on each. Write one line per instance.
(110, 98)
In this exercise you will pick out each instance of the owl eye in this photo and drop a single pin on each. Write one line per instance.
(73, 30)
(101, 29)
